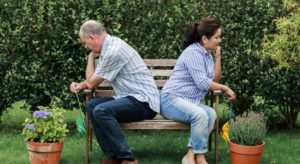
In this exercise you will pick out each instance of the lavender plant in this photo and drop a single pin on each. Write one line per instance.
(248, 129)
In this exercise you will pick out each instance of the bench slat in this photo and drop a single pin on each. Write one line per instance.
(160, 62)
(154, 62)
(161, 72)
(104, 93)
(155, 125)
(159, 83)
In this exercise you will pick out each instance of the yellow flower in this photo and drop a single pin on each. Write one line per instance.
(224, 132)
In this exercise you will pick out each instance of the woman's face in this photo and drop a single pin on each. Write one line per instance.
(213, 42)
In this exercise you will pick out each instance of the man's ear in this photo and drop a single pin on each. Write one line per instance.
(91, 37)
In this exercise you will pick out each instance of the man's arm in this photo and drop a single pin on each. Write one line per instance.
(91, 81)
(90, 67)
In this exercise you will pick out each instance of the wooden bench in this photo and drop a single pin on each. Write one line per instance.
(161, 70)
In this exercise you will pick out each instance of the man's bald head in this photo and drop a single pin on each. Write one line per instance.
(91, 27)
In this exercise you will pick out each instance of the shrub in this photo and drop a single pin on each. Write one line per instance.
(281, 86)
(283, 46)
(40, 53)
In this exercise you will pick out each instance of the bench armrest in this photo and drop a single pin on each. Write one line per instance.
(88, 94)
(217, 92)
(87, 91)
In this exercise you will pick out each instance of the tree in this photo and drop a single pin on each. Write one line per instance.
(284, 45)
(281, 85)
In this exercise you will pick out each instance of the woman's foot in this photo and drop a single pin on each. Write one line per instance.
(130, 162)
(189, 158)
(200, 159)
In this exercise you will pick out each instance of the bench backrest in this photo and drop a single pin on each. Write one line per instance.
(161, 69)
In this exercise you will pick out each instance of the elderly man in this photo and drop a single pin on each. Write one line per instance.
(137, 96)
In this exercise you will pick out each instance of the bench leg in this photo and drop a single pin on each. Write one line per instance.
(209, 142)
(211, 104)
(217, 129)
(91, 135)
(87, 139)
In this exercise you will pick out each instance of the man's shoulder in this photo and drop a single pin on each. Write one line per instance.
(117, 40)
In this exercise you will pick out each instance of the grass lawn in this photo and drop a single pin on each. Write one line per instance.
(150, 147)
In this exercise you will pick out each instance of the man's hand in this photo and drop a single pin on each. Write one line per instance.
(93, 54)
(75, 87)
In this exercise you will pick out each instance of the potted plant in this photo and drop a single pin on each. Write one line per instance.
(44, 133)
(246, 138)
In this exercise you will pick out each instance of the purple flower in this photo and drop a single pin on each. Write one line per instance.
(29, 126)
(41, 114)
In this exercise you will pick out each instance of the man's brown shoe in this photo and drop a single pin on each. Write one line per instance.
(110, 160)
(130, 162)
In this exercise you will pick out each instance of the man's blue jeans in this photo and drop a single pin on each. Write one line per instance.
(200, 116)
(105, 115)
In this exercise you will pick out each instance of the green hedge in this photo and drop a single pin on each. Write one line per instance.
(40, 49)
(244, 23)
(41, 53)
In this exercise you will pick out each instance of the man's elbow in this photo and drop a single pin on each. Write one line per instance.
(93, 82)
(90, 85)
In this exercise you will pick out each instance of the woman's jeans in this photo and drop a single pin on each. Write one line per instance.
(105, 115)
(200, 116)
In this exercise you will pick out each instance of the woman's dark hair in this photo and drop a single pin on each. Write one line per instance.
(206, 27)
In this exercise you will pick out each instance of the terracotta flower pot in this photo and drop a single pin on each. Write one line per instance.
(241, 154)
(44, 153)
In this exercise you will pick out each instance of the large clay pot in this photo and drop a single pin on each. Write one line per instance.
(241, 154)
(44, 153)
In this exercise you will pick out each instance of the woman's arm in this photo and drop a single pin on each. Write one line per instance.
(230, 94)
(218, 71)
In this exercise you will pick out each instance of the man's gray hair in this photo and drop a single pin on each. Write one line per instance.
(91, 27)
